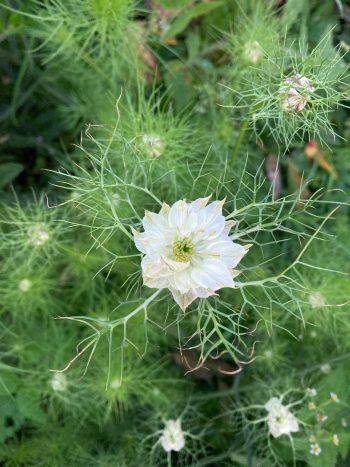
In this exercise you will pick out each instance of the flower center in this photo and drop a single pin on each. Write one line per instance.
(183, 250)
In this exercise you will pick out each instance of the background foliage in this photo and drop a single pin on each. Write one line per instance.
(82, 83)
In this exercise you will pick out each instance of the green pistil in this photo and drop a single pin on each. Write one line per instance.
(183, 250)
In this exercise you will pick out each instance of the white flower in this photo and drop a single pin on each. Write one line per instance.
(311, 392)
(295, 93)
(153, 145)
(312, 406)
(321, 417)
(188, 250)
(280, 420)
(334, 397)
(38, 235)
(172, 438)
(315, 449)
(335, 440)
(59, 382)
(25, 285)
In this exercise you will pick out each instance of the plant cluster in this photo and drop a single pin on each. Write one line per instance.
(174, 242)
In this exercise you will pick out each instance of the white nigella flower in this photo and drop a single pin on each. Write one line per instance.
(334, 397)
(59, 382)
(311, 392)
(188, 250)
(296, 93)
(153, 145)
(25, 285)
(321, 417)
(335, 440)
(280, 420)
(172, 438)
(315, 449)
(38, 235)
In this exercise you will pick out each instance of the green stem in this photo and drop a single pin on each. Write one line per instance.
(241, 134)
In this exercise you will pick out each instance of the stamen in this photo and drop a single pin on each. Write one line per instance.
(183, 250)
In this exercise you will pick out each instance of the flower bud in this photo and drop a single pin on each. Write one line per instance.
(153, 145)
(38, 235)
(59, 382)
(253, 52)
(25, 285)
(295, 93)
(172, 438)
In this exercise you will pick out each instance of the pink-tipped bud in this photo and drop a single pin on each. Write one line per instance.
(295, 93)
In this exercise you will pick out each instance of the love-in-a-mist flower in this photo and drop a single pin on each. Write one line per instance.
(315, 449)
(311, 392)
(172, 438)
(280, 420)
(335, 440)
(188, 250)
(334, 397)
(321, 417)
(296, 93)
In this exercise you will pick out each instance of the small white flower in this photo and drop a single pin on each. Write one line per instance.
(311, 392)
(295, 93)
(344, 423)
(316, 300)
(59, 382)
(153, 145)
(321, 417)
(38, 235)
(25, 285)
(172, 438)
(335, 440)
(312, 406)
(280, 420)
(188, 250)
(268, 354)
(334, 397)
(315, 449)
(325, 368)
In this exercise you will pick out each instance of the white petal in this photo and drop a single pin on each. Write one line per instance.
(184, 300)
(273, 403)
(212, 273)
(174, 266)
(198, 204)
(178, 214)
